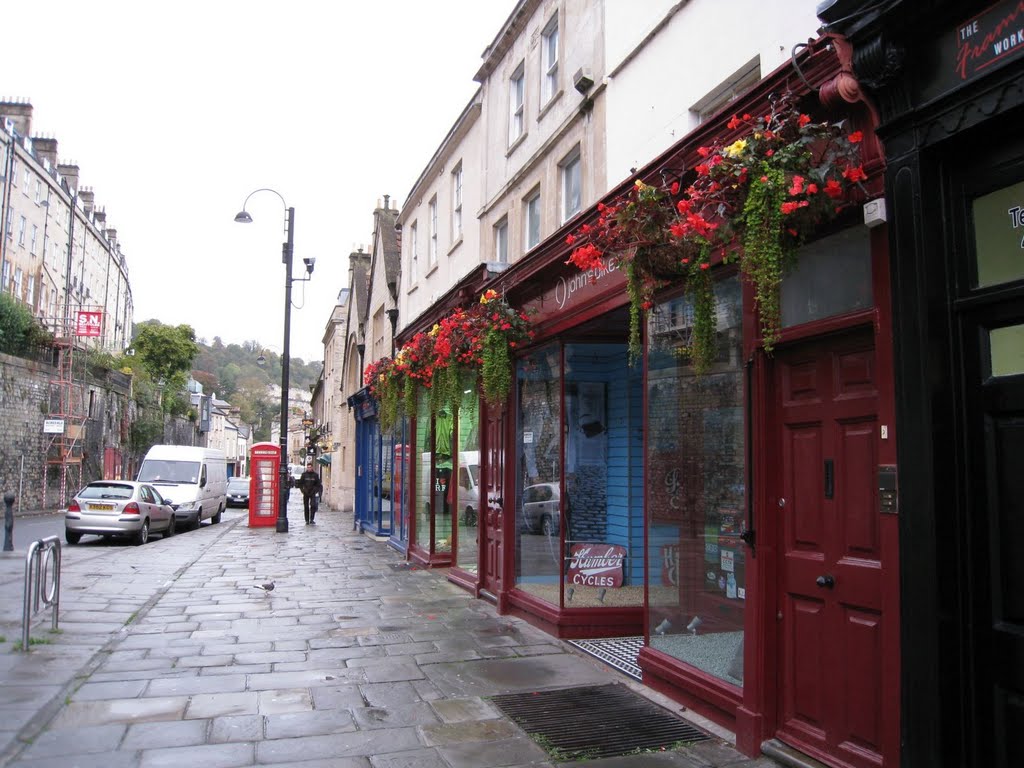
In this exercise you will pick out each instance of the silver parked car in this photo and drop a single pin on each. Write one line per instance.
(118, 508)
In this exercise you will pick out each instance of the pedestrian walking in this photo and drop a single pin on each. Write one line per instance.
(311, 487)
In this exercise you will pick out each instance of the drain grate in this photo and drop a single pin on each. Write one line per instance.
(596, 721)
(618, 652)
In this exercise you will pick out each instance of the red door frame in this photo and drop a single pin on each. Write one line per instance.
(757, 717)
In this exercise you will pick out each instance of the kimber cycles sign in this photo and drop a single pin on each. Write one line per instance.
(596, 565)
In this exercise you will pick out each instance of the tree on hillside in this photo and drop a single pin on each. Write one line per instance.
(166, 353)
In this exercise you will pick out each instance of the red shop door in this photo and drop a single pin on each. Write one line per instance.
(837, 699)
(492, 521)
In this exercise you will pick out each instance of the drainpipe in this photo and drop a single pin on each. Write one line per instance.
(4, 223)
(67, 275)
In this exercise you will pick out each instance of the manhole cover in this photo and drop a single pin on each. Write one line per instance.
(595, 722)
(403, 566)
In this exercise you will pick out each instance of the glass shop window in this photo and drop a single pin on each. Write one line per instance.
(696, 495)
(466, 492)
(424, 470)
(399, 480)
(832, 277)
(539, 466)
(579, 510)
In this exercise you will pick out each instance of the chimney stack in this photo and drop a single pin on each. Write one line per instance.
(87, 196)
(20, 113)
(46, 149)
(70, 174)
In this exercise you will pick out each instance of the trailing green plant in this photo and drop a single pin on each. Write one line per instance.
(468, 346)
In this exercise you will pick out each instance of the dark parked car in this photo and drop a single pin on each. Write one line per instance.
(238, 491)
(118, 508)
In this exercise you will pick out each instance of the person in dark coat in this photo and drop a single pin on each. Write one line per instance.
(311, 487)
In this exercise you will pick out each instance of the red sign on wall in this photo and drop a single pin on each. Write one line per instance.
(89, 323)
(596, 565)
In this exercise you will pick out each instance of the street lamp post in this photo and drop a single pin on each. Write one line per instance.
(286, 256)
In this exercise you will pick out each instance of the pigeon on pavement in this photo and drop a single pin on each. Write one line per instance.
(267, 586)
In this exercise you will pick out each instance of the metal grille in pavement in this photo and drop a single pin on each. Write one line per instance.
(595, 722)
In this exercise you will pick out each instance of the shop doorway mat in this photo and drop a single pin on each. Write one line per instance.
(596, 721)
(618, 652)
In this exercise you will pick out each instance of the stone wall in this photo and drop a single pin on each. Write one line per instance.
(27, 396)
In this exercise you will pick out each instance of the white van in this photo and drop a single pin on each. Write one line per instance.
(192, 478)
(468, 492)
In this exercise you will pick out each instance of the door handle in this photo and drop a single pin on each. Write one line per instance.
(829, 478)
(826, 581)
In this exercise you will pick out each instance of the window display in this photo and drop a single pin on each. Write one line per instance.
(579, 508)
(696, 494)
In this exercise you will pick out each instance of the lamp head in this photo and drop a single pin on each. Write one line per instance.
(309, 262)
(261, 360)
(243, 217)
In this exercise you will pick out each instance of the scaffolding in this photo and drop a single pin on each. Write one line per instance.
(66, 412)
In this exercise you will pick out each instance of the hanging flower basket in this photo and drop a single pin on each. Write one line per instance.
(469, 345)
(755, 200)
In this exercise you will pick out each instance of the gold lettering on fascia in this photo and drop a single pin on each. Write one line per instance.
(1017, 219)
(566, 287)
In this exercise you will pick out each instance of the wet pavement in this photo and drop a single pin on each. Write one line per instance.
(168, 655)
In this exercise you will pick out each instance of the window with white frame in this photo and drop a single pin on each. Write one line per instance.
(457, 203)
(549, 61)
(39, 190)
(734, 86)
(531, 220)
(10, 222)
(22, 227)
(32, 242)
(569, 170)
(432, 245)
(14, 171)
(26, 188)
(6, 275)
(501, 241)
(414, 255)
(30, 297)
(516, 113)
(17, 282)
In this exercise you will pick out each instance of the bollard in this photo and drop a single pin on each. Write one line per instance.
(9, 521)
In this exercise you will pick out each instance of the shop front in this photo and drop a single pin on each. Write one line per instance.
(374, 469)
(729, 513)
(949, 82)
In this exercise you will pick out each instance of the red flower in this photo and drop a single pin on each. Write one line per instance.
(734, 123)
(788, 208)
(705, 265)
(674, 189)
(833, 189)
(803, 120)
(798, 185)
(855, 173)
(702, 169)
(570, 239)
(703, 151)
(812, 188)
(856, 137)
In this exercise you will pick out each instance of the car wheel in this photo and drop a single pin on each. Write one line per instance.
(72, 537)
(143, 535)
(169, 530)
(216, 518)
(547, 527)
(469, 518)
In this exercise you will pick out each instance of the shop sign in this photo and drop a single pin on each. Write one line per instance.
(596, 565)
(972, 48)
(993, 36)
(53, 426)
(89, 323)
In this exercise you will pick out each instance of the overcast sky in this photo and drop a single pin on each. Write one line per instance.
(176, 112)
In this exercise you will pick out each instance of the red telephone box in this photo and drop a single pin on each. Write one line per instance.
(264, 484)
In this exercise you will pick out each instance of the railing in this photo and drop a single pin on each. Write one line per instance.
(42, 569)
